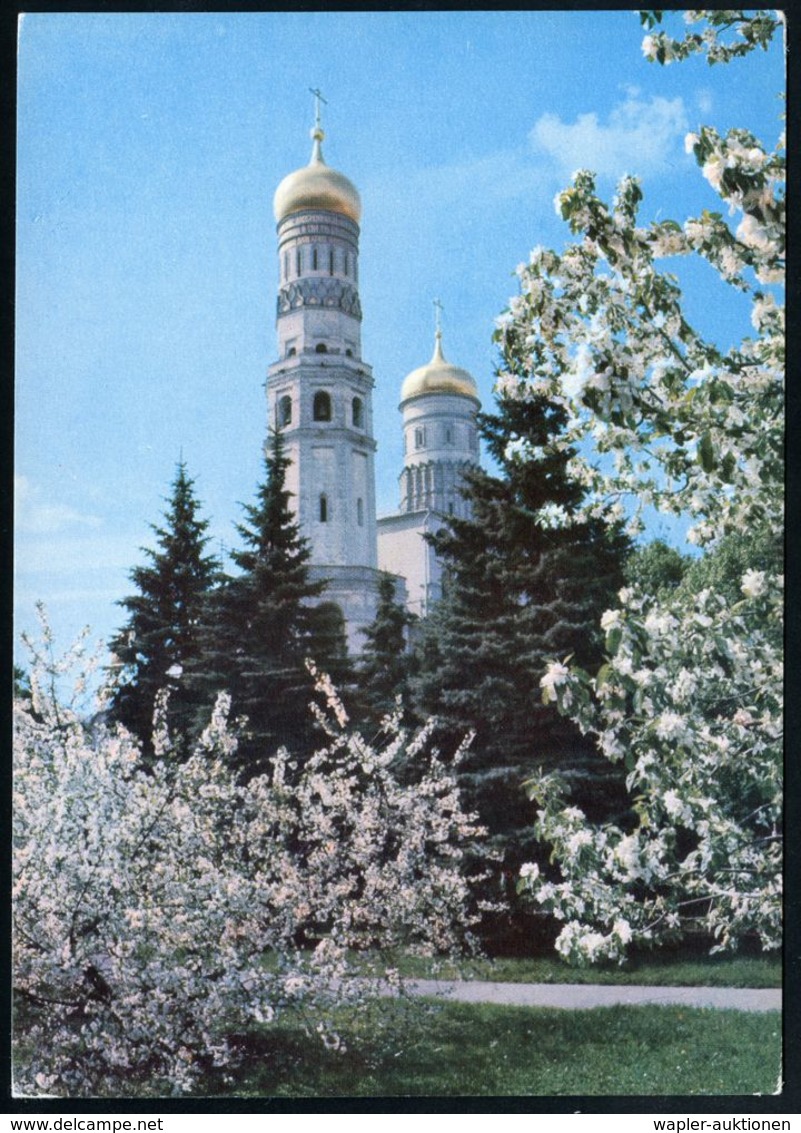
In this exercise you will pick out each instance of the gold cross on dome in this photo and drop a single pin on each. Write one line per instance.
(318, 98)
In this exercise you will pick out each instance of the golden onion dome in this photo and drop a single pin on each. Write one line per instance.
(316, 186)
(439, 376)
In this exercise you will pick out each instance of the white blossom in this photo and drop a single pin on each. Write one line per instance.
(670, 725)
(753, 583)
(690, 695)
(752, 233)
(145, 902)
(622, 929)
(611, 619)
(555, 676)
(713, 170)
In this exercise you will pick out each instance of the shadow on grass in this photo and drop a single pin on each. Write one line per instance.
(428, 1049)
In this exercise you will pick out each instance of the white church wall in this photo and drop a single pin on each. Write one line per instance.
(403, 550)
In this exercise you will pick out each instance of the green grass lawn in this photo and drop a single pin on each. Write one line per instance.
(464, 1049)
(653, 970)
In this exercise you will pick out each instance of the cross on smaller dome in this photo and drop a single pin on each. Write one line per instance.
(439, 375)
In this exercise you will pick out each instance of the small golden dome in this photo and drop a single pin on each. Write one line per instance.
(439, 376)
(316, 186)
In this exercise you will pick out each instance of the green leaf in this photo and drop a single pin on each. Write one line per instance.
(727, 467)
(707, 457)
(721, 644)
(613, 639)
(602, 676)
(650, 17)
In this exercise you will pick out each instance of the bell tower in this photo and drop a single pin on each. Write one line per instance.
(319, 391)
(439, 403)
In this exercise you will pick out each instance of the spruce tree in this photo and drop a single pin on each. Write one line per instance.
(519, 590)
(329, 645)
(161, 639)
(262, 626)
(385, 665)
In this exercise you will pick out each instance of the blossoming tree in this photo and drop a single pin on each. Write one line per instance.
(159, 914)
(690, 695)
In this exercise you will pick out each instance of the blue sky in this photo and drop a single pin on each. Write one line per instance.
(149, 149)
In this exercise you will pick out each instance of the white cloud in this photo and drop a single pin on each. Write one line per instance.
(38, 518)
(471, 185)
(639, 137)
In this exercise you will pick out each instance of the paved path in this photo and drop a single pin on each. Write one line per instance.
(597, 995)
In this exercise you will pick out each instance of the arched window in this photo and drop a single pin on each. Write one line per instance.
(348, 353)
(298, 262)
(360, 512)
(321, 348)
(331, 261)
(285, 411)
(291, 351)
(419, 438)
(314, 259)
(347, 264)
(323, 508)
(358, 413)
(448, 435)
(321, 410)
(286, 265)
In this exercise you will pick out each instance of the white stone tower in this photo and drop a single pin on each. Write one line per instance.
(319, 392)
(439, 403)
